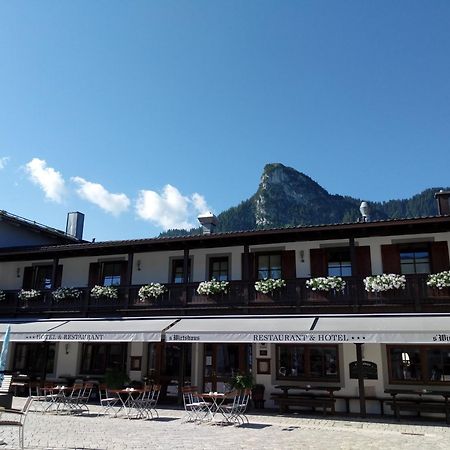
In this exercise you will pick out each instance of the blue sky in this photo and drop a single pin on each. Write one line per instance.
(141, 114)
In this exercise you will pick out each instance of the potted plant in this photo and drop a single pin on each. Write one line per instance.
(384, 282)
(326, 284)
(116, 378)
(212, 287)
(150, 292)
(439, 280)
(268, 286)
(108, 292)
(241, 381)
(66, 293)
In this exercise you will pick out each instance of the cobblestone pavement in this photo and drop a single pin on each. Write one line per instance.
(268, 431)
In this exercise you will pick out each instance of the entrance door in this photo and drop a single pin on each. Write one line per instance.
(167, 365)
(221, 362)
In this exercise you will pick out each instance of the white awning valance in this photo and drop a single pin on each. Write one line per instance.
(414, 329)
(95, 330)
(240, 329)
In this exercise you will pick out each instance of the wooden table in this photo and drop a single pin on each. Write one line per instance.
(420, 401)
(312, 396)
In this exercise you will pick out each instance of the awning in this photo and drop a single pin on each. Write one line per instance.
(240, 329)
(406, 329)
(92, 330)
(29, 331)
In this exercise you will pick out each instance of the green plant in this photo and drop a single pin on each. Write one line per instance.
(116, 378)
(105, 292)
(241, 381)
(212, 287)
(29, 294)
(63, 293)
(268, 285)
(384, 282)
(151, 291)
(439, 280)
(326, 284)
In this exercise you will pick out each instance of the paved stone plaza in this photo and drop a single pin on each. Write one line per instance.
(268, 431)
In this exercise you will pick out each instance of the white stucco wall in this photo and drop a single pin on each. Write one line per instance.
(155, 266)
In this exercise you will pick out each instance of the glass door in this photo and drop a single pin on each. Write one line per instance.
(221, 362)
(165, 364)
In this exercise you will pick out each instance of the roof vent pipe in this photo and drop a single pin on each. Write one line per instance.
(75, 224)
(209, 222)
(443, 202)
(365, 212)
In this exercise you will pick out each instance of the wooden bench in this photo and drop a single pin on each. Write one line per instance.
(308, 401)
(420, 406)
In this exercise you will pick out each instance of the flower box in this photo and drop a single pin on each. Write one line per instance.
(326, 284)
(269, 286)
(104, 292)
(440, 281)
(212, 288)
(384, 282)
(29, 294)
(150, 292)
(66, 293)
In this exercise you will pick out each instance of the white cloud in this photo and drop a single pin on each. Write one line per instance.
(47, 178)
(3, 161)
(170, 209)
(95, 193)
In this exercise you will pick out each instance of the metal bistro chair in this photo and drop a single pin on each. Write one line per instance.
(85, 396)
(196, 408)
(107, 401)
(72, 401)
(20, 421)
(235, 412)
(142, 402)
(149, 404)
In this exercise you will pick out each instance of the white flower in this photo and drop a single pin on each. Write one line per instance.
(268, 285)
(104, 291)
(2, 296)
(384, 282)
(63, 293)
(212, 287)
(151, 291)
(326, 284)
(439, 280)
(29, 294)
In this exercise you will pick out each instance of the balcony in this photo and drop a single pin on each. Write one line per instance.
(241, 298)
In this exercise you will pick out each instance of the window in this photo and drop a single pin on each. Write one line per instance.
(269, 266)
(339, 263)
(43, 277)
(31, 358)
(419, 364)
(111, 274)
(218, 268)
(97, 358)
(177, 275)
(414, 261)
(307, 362)
(38, 277)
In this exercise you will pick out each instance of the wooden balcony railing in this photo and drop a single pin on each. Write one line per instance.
(241, 298)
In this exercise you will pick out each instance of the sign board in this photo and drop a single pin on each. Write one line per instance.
(370, 370)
